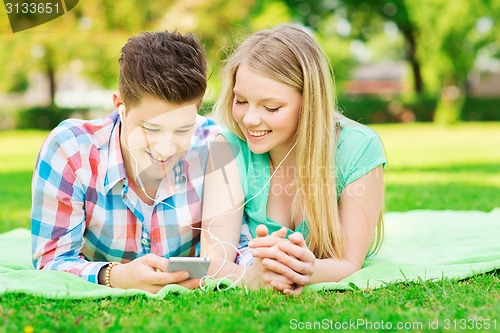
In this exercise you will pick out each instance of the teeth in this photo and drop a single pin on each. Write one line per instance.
(258, 133)
(159, 159)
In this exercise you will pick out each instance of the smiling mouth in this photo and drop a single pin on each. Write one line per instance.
(158, 159)
(258, 133)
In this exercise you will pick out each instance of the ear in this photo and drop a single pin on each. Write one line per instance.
(117, 101)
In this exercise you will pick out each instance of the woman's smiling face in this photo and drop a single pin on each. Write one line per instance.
(267, 111)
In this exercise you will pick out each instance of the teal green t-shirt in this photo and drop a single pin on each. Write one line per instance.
(359, 150)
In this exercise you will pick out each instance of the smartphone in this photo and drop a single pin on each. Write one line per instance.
(195, 266)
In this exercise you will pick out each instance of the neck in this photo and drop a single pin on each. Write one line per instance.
(145, 191)
(284, 157)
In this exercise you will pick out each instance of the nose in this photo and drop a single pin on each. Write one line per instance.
(251, 117)
(164, 145)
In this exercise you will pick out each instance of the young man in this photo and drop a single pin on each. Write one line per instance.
(114, 197)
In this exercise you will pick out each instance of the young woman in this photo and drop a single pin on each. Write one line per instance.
(309, 180)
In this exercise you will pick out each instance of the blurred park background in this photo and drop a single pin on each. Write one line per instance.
(394, 60)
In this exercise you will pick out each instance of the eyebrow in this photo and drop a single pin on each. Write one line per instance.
(156, 125)
(268, 99)
(186, 126)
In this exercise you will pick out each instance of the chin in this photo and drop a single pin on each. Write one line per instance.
(257, 149)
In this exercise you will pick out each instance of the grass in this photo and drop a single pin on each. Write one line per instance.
(430, 167)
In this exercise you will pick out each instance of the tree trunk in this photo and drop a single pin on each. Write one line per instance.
(52, 82)
(450, 105)
(411, 54)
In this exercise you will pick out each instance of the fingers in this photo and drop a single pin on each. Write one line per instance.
(296, 252)
(266, 252)
(261, 230)
(281, 233)
(190, 284)
(266, 241)
(298, 239)
(281, 286)
(266, 247)
(155, 271)
(155, 262)
(259, 277)
(286, 271)
(294, 291)
(161, 278)
(277, 281)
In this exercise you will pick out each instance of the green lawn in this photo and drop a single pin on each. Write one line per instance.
(456, 167)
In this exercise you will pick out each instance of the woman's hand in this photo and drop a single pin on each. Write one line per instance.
(258, 276)
(149, 273)
(288, 258)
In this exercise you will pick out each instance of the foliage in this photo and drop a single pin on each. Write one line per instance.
(44, 117)
(93, 32)
(481, 109)
(442, 38)
(414, 304)
(393, 109)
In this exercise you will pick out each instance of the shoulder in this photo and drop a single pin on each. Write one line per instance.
(354, 133)
(75, 135)
(87, 131)
(359, 150)
(247, 160)
(357, 141)
(239, 146)
(205, 129)
(232, 138)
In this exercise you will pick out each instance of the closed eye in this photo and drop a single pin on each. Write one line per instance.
(240, 102)
(273, 109)
(150, 130)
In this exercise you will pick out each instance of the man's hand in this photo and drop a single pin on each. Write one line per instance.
(149, 273)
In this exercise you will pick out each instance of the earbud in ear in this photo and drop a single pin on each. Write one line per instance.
(121, 111)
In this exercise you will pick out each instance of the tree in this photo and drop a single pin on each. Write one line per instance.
(92, 32)
(442, 38)
(364, 24)
(449, 43)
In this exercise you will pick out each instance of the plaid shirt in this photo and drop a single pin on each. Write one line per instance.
(85, 212)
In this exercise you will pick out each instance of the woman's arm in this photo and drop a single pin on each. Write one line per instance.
(360, 207)
(222, 206)
(223, 200)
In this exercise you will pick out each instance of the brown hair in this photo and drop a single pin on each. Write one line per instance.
(167, 65)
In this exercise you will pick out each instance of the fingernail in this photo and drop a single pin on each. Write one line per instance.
(185, 275)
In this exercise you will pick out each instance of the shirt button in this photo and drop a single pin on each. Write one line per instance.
(144, 241)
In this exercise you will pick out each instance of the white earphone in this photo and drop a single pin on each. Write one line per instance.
(121, 111)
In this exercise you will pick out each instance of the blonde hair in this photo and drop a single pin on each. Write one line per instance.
(288, 54)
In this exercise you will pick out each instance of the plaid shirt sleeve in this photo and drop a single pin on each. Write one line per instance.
(58, 212)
